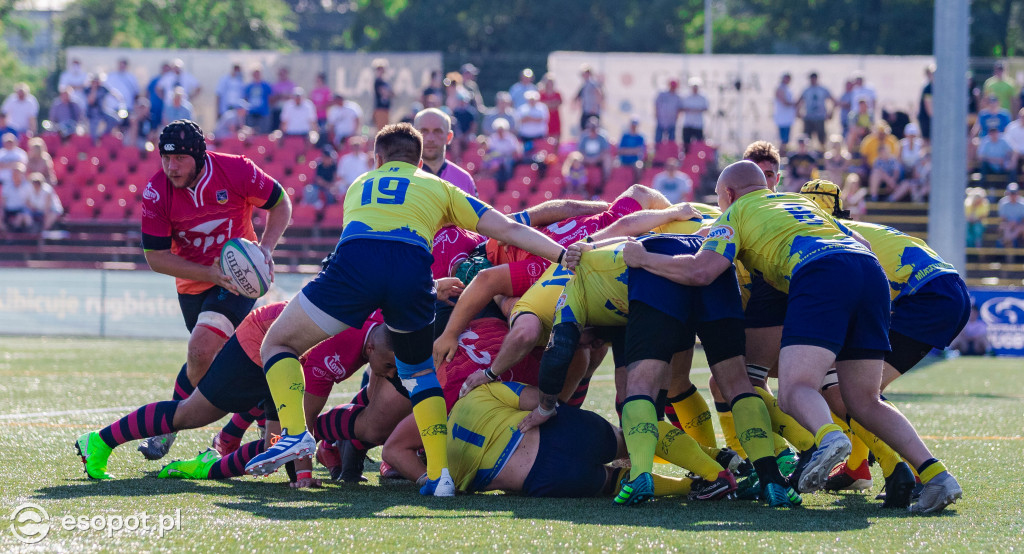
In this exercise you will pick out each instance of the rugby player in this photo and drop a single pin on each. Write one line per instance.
(196, 202)
(383, 261)
(837, 312)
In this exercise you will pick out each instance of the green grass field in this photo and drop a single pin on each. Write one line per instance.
(52, 390)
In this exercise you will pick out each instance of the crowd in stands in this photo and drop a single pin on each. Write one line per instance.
(511, 148)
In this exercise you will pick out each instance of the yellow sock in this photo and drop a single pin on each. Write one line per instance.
(694, 416)
(725, 419)
(841, 423)
(711, 450)
(825, 429)
(683, 450)
(753, 426)
(670, 486)
(859, 454)
(779, 442)
(431, 419)
(784, 424)
(931, 470)
(887, 457)
(284, 377)
(640, 429)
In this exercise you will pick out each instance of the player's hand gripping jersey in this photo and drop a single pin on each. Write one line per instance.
(708, 215)
(758, 230)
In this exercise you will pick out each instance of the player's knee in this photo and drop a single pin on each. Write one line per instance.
(525, 330)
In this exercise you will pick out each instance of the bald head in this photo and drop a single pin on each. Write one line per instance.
(738, 179)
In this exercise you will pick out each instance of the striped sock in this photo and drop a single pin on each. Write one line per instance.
(237, 425)
(340, 424)
(150, 420)
(580, 394)
(182, 386)
(233, 465)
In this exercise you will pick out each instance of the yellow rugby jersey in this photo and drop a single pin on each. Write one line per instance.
(541, 298)
(598, 294)
(401, 202)
(774, 234)
(483, 432)
(708, 214)
(908, 261)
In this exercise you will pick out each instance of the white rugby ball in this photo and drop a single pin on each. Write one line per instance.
(244, 262)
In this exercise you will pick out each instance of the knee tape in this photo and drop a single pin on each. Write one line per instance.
(217, 323)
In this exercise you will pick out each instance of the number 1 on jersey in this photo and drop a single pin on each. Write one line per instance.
(390, 190)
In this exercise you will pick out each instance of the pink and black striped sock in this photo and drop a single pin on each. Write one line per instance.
(233, 465)
(150, 420)
(182, 386)
(362, 398)
(580, 394)
(236, 426)
(340, 424)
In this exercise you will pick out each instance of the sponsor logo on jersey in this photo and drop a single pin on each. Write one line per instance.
(721, 232)
(207, 234)
(150, 193)
(222, 196)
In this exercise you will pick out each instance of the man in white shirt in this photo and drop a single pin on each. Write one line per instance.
(674, 184)
(298, 115)
(178, 77)
(1014, 134)
(74, 76)
(343, 119)
(352, 165)
(10, 156)
(693, 106)
(230, 89)
(863, 90)
(124, 82)
(532, 118)
(22, 110)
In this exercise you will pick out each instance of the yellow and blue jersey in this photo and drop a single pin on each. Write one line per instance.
(908, 261)
(598, 294)
(483, 432)
(775, 234)
(708, 214)
(401, 202)
(541, 298)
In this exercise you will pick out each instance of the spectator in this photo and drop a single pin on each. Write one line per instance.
(470, 85)
(917, 180)
(667, 106)
(66, 113)
(991, 114)
(232, 123)
(1014, 135)
(694, 105)
(43, 204)
(924, 108)
(860, 123)
(15, 192)
(382, 94)
(973, 339)
(553, 100)
(464, 119)
(178, 77)
(836, 160)
(453, 90)
(503, 152)
(897, 120)
(1011, 216)
(257, 95)
(10, 155)
(139, 125)
(632, 150)
(4, 127)
(436, 86)
(74, 76)
(344, 119)
(410, 114)
(885, 170)
(156, 100)
(519, 89)
(976, 209)
(596, 150)
(911, 148)
(298, 115)
(178, 107)
(785, 110)
(353, 164)
(815, 100)
(590, 97)
(321, 97)
(872, 143)
(574, 174)
(502, 110)
(995, 156)
(319, 192)
(281, 93)
(865, 91)
(674, 184)
(125, 83)
(846, 106)
(39, 161)
(102, 106)
(230, 90)
(1000, 86)
(22, 110)
(532, 120)
(854, 196)
(802, 165)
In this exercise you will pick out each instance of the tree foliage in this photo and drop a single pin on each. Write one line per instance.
(228, 24)
(12, 70)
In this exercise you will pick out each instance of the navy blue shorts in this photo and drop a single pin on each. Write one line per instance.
(574, 446)
(839, 302)
(234, 383)
(935, 313)
(366, 274)
(215, 299)
(766, 306)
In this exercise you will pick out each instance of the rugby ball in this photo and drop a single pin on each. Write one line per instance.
(244, 262)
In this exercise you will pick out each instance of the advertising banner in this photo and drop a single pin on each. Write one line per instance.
(1002, 310)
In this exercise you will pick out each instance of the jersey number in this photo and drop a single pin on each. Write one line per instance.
(389, 190)
(803, 214)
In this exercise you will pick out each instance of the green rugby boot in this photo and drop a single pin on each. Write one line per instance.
(94, 453)
(196, 468)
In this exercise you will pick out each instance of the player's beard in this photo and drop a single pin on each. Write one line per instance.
(435, 157)
(186, 183)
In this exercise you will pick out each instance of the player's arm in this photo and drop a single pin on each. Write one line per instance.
(698, 271)
(495, 225)
(638, 223)
(554, 367)
(476, 295)
(553, 211)
(163, 261)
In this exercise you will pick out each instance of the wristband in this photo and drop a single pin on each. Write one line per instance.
(304, 475)
(490, 374)
(544, 412)
(561, 256)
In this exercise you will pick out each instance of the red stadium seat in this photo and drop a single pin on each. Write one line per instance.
(81, 209)
(334, 215)
(486, 188)
(304, 215)
(114, 210)
(664, 151)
